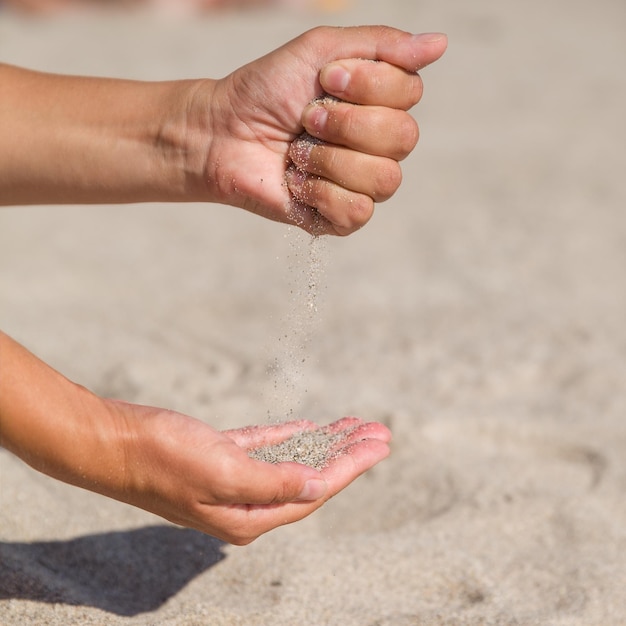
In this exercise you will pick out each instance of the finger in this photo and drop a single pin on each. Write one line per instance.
(372, 83)
(376, 177)
(344, 424)
(354, 431)
(353, 460)
(357, 430)
(346, 211)
(378, 43)
(375, 130)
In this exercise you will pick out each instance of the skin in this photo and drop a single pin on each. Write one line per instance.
(237, 141)
(227, 140)
(168, 463)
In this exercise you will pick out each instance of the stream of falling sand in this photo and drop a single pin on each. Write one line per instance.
(315, 448)
(307, 260)
(306, 263)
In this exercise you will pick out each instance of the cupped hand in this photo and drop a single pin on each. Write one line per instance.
(281, 148)
(187, 472)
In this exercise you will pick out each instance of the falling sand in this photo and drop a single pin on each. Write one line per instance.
(307, 261)
(291, 348)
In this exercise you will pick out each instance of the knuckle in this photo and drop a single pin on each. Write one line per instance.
(358, 214)
(346, 122)
(241, 540)
(281, 493)
(368, 82)
(415, 89)
(331, 165)
(311, 35)
(319, 38)
(407, 132)
(388, 179)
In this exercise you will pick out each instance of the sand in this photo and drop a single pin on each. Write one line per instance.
(480, 315)
(314, 448)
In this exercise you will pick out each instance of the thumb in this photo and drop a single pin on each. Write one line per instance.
(268, 483)
(377, 43)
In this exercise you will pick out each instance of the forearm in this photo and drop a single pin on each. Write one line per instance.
(71, 139)
(54, 425)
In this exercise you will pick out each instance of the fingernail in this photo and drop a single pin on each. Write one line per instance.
(429, 37)
(335, 79)
(313, 489)
(315, 118)
(301, 148)
(295, 178)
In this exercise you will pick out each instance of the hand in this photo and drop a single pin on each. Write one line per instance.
(238, 140)
(258, 113)
(167, 463)
(183, 470)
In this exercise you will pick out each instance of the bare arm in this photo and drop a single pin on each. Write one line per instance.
(167, 463)
(83, 140)
(70, 139)
(237, 141)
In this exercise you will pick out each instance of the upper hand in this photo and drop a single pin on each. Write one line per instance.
(259, 110)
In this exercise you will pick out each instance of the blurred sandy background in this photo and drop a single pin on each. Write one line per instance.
(481, 315)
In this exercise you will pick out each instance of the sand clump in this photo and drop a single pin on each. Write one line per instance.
(315, 448)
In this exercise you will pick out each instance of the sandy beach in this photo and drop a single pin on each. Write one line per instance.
(481, 315)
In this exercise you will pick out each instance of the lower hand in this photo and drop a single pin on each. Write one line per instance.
(189, 473)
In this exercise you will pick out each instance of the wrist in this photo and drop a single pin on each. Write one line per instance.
(182, 141)
(54, 425)
(188, 140)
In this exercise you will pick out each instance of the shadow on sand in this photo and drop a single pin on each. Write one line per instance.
(125, 573)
